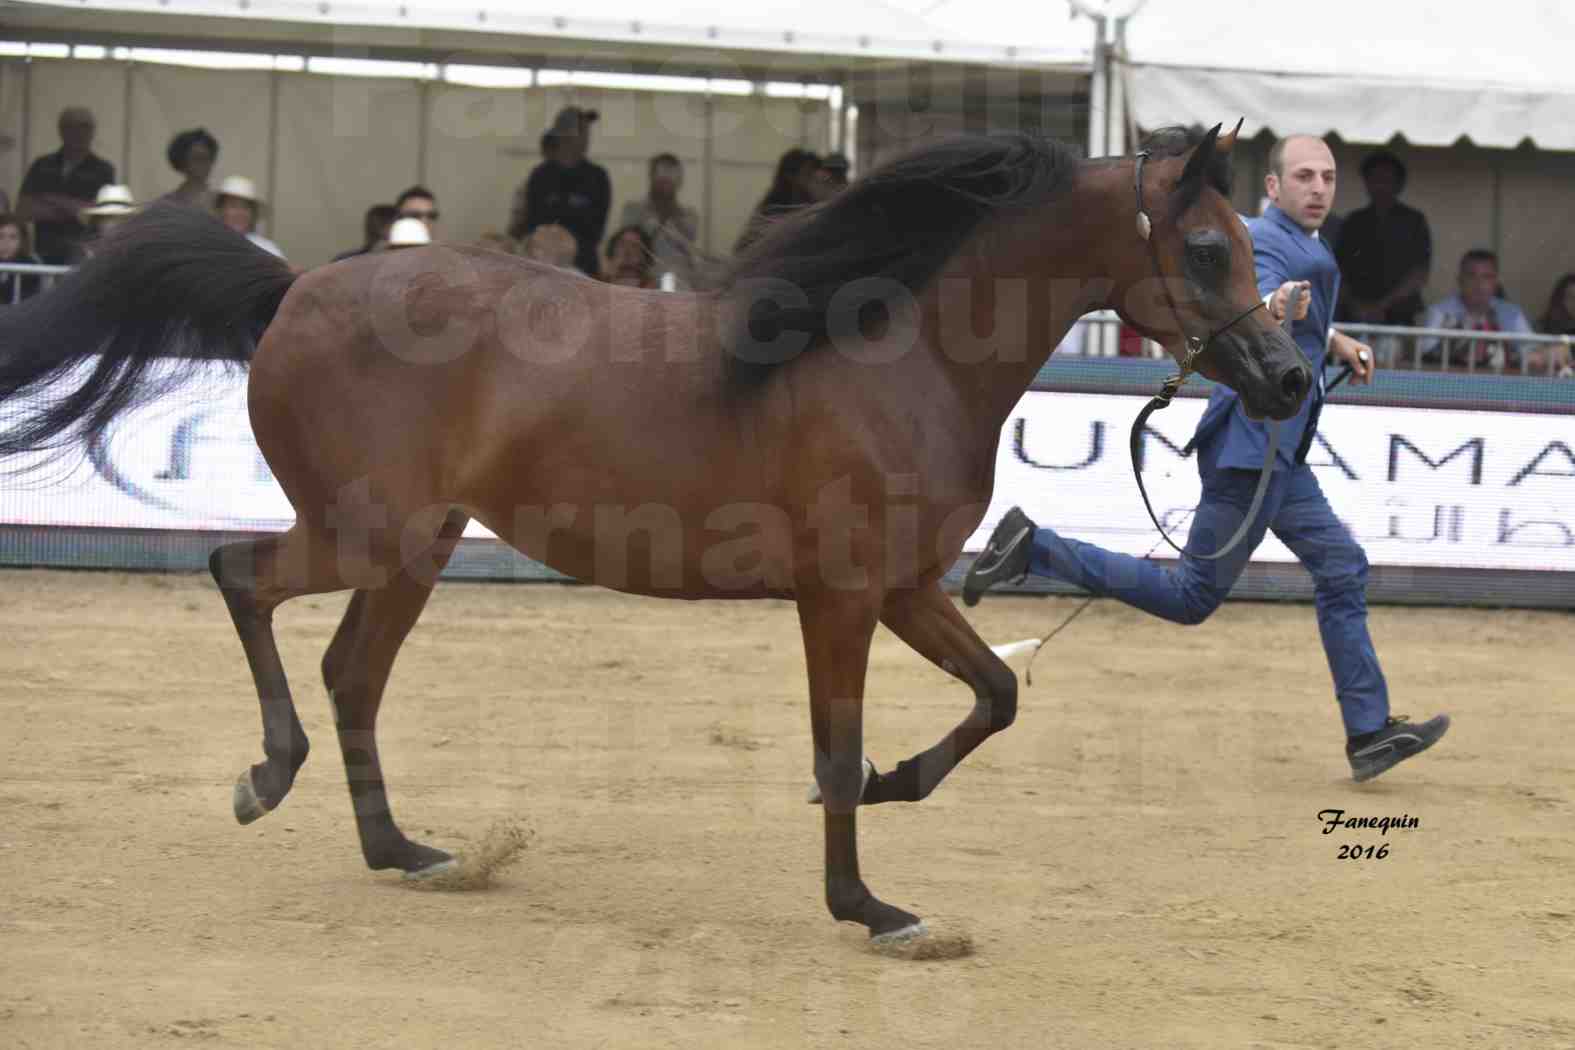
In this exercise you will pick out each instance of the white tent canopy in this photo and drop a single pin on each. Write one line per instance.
(1429, 70)
(873, 29)
(1432, 71)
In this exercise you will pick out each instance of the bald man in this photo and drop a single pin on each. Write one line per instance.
(1289, 255)
(59, 185)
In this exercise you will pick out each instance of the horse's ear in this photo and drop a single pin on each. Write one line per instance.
(1202, 160)
(1227, 141)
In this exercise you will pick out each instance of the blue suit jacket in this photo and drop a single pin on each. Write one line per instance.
(1282, 252)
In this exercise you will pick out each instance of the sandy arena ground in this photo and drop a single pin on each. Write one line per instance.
(1139, 861)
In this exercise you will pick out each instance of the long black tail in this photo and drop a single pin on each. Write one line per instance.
(174, 284)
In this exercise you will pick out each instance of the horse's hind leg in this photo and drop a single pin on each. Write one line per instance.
(928, 621)
(355, 671)
(255, 576)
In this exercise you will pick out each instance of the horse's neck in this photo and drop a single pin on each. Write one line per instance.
(1013, 296)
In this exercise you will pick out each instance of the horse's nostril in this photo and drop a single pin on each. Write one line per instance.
(1295, 383)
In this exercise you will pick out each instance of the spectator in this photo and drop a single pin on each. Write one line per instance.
(553, 245)
(566, 188)
(374, 231)
(113, 206)
(409, 232)
(14, 287)
(1384, 250)
(1476, 308)
(630, 259)
(832, 176)
(791, 187)
(60, 184)
(192, 153)
(672, 227)
(239, 207)
(418, 202)
(1559, 318)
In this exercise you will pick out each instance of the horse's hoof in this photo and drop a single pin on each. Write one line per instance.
(248, 807)
(432, 871)
(869, 770)
(891, 938)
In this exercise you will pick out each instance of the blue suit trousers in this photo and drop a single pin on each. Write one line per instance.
(1298, 512)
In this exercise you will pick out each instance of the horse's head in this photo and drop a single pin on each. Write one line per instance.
(1202, 288)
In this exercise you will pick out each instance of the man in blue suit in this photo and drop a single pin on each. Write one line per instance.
(1290, 256)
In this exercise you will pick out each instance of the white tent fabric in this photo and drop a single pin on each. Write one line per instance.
(1359, 110)
(1430, 70)
(861, 28)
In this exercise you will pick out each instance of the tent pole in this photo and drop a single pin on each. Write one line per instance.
(26, 145)
(125, 125)
(1498, 200)
(1098, 89)
(273, 152)
(708, 162)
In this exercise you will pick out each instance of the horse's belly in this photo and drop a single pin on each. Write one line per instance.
(656, 547)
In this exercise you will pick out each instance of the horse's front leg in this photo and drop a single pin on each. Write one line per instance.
(927, 620)
(837, 628)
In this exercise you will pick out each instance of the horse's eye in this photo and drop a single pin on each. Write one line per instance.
(1204, 256)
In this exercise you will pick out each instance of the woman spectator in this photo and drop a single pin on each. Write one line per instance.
(631, 259)
(14, 248)
(792, 187)
(192, 153)
(1559, 318)
(239, 207)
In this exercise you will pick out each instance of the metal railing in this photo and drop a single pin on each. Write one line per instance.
(1462, 350)
(1419, 349)
(1099, 335)
(47, 276)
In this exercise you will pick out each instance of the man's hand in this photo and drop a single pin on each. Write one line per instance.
(1282, 295)
(1356, 354)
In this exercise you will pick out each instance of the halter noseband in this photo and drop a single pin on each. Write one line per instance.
(1195, 349)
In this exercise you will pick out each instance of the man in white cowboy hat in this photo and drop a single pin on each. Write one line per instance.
(113, 206)
(239, 206)
(408, 233)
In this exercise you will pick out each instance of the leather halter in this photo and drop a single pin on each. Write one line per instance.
(1196, 347)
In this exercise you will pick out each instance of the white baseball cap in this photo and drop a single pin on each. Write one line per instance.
(408, 233)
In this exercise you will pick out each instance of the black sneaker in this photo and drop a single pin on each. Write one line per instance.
(1372, 753)
(1005, 557)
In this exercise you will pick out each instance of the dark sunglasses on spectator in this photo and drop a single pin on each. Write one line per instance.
(429, 216)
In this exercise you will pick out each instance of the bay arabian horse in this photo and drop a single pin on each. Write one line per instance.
(822, 426)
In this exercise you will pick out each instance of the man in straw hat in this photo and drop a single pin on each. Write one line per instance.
(239, 207)
(113, 206)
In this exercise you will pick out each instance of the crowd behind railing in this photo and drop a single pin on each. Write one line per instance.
(559, 214)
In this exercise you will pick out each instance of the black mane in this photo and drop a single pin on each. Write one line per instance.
(901, 222)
